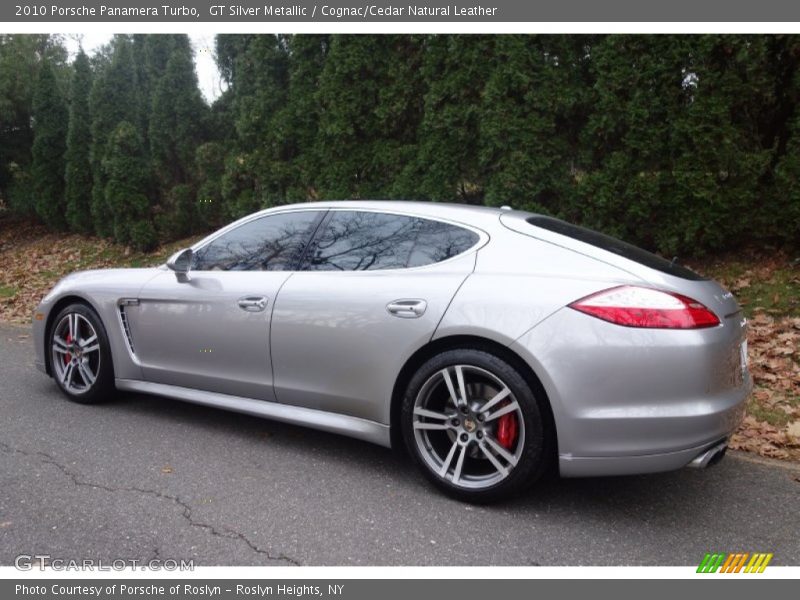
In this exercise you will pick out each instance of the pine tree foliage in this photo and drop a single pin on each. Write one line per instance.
(114, 99)
(49, 144)
(682, 144)
(125, 190)
(178, 120)
(21, 58)
(78, 169)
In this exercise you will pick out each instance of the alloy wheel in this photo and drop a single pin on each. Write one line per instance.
(468, 427)
(75, 353)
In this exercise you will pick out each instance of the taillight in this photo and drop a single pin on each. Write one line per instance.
(633, 306)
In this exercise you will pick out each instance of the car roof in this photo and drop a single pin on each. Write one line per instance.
(466, 213)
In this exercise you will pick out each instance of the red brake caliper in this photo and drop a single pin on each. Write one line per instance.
(68, 356)
(507, 430)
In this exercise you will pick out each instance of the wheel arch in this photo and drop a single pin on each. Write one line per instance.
(454, 342)
(57, 307)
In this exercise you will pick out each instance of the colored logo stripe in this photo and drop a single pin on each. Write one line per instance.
(758, 563)
(711, 563)
(733, 562)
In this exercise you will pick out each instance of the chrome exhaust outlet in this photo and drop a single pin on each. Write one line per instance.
(709, 457)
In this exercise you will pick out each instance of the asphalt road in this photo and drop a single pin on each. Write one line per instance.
(144, 477)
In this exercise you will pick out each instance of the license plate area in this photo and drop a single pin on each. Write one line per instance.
(743, 356)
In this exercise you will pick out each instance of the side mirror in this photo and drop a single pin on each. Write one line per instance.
(180, 263)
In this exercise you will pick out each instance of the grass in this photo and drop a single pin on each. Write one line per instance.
(7, 291)
(774, 416)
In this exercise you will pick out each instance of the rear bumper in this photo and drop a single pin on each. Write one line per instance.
(629, 401)
(706, 421)
(593, 466)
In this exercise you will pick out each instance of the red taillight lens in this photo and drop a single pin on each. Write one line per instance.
(633, 306)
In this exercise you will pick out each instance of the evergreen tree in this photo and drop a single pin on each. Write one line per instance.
(177, 120)
(125, 191)
(209, 170)
(369, 102)
(399, 111)
(297, 123)
(533, 111)
(456, 70)
(114, 99)
(177, 127)
(21, 57)
(139, 49)
(639, 96)
(49, 143)
(780, 218)
(677, 143)
(721, 163)
(78, 173)
(151, 55)
(786, 227)
(260, 81)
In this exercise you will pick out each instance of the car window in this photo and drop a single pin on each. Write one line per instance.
(439, 241)
(369, 241)
(270, 243)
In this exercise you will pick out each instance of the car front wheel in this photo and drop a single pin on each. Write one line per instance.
(80, 359)
(474, 425)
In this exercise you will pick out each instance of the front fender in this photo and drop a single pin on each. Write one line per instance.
(102, 290)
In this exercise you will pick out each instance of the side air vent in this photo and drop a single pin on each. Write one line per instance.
(126, 328)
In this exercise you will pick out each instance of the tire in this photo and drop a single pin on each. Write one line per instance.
(513, 420)
(80, 364)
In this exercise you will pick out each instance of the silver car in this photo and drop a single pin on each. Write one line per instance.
(491, 343)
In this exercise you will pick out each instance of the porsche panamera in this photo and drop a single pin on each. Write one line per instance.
(492, 344)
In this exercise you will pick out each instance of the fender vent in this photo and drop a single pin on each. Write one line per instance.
(126, 328)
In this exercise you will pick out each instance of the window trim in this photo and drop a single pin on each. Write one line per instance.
(483, 239)
(323, 213)
(483, 236)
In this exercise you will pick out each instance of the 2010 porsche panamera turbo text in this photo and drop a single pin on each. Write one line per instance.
(490, 342)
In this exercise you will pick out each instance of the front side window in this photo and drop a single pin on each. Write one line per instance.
(270, 243)
(368, 241)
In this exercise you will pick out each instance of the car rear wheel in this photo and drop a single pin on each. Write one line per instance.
(474, 425)
(80, 359)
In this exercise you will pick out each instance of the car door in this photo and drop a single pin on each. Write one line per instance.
(372, 289)
(211, 331)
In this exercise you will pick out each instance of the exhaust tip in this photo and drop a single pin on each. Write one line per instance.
(709, 457)
(718, 456)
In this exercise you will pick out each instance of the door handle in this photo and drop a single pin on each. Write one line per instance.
(252, 303)
(407, 309)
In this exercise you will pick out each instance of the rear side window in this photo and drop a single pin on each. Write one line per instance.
(270, 243)
(437, 241)
(368, 241)
(606, 242)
